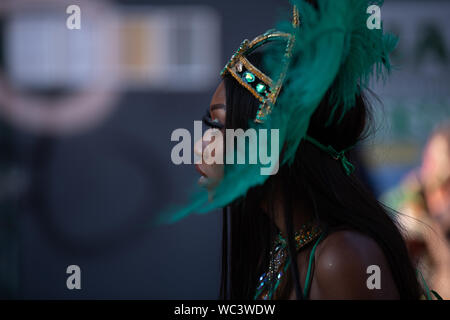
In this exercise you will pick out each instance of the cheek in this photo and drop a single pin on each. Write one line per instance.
(213, 153)
(198, 147)
(213, 146)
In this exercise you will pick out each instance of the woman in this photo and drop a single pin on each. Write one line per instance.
(424, 196)
(311, 230)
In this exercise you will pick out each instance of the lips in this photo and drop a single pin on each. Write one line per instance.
(203, 182)
(197, 167)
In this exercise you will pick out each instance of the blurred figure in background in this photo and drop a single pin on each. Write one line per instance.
(423, 200)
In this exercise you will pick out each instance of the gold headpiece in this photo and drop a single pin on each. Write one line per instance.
(259, 84)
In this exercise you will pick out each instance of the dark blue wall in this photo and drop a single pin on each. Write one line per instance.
(91, 195)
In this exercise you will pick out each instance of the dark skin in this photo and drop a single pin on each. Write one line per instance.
(341, 262)
(341, 259)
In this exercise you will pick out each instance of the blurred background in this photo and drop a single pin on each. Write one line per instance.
(85, 122)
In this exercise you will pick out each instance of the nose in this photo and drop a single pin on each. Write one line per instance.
(202, 143)
(198, 147)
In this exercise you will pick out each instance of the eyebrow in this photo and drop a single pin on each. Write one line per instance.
(218, 106)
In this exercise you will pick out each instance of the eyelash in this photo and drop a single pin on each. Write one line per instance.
(211, 123)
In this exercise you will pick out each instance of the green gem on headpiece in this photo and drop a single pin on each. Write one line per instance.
(249, 77)
(260, 88)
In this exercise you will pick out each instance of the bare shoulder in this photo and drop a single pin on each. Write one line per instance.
(347, 248)
(347, 266)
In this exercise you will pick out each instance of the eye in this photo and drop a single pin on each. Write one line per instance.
(211, 123)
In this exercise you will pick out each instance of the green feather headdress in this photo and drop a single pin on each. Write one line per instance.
(333, 48)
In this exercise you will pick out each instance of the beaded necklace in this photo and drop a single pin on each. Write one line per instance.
(279, 260)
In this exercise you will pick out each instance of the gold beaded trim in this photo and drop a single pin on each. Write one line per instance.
(305, 236)
(273, 91)
(245, 84)
(256, 71)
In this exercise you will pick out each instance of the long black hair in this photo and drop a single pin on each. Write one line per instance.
(316, 181)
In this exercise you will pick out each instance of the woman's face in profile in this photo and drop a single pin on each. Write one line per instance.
(210, 147)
